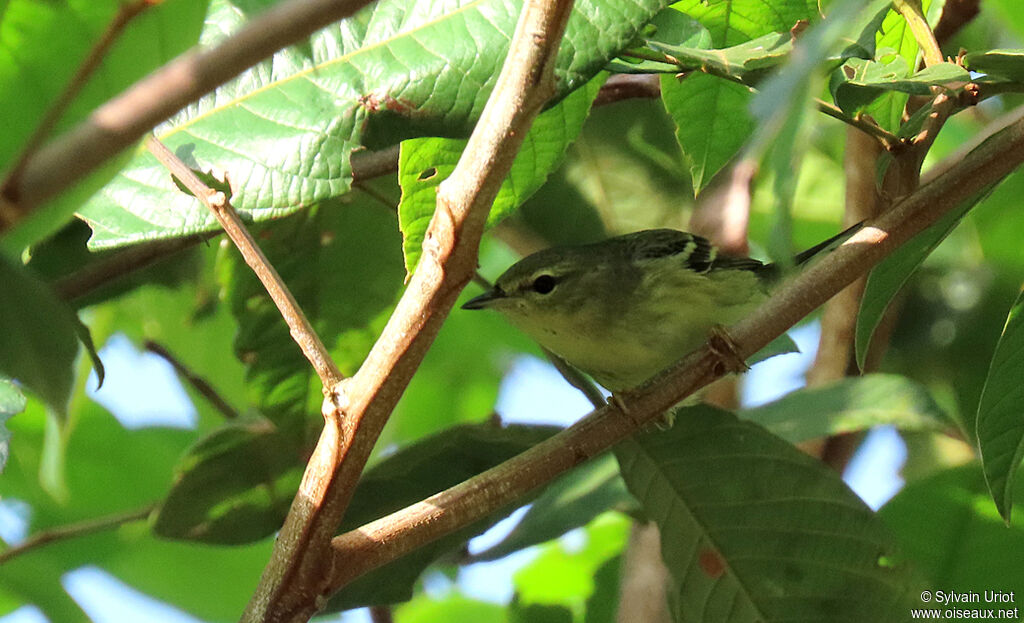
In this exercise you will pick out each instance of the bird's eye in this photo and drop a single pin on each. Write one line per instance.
(543, 284)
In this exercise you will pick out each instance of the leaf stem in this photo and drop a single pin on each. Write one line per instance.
(301, 330)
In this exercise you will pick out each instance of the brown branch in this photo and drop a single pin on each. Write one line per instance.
(628, 86)
(955, 15)
(390, 537)
(10, 211)
(128, 117)
(301, 331)
(71, 531)
(197, 382)
(120, 263)
(296, 581)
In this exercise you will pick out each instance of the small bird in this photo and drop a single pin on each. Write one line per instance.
(623, 309)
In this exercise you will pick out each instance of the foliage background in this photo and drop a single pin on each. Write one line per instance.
(218, 489)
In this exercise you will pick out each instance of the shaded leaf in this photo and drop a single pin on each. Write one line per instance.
(38, 343)
(341, 262)
(849, 405)
(539, 613)
(569, 502)
(890, 274)
(753, 529)
(1000, 426)
(857, 83)
(1007, 64)
(283, 130)
(603, 604)
(426, 162)
(723, 109)
(233, 487)
(951, 512)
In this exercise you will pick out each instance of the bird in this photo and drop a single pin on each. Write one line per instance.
(624, 308)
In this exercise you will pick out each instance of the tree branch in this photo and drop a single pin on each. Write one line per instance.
(302, 332)
(71, 531)
(11, 212)
(914, 16)
(197, 382)
(295, 583)
(126, 118)
(390, 537)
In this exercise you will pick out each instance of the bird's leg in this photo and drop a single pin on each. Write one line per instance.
(723, 347)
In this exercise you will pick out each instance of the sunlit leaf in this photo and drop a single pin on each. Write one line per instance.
(283, 131)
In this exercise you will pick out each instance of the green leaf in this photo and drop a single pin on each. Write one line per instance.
(283, 131)
(947, 526)
(849, 405)
(861, 81)
(564, 574)
(724, 124)
(412, 474)
(539, 613)
(1000, 427)
(451, 609)
(737, 21)
(747, 62)
(569, 502)
(752, 529)
(890, 274)
(426, 162)
(12, 402)
(233, 487)
(1007, 64)
(603, 604)
(38, 343)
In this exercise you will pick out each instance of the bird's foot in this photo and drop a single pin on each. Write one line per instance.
(723, 347)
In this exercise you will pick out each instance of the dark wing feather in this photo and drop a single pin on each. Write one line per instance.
(696, 251)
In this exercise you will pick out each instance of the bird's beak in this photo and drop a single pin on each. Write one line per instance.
(484, 300)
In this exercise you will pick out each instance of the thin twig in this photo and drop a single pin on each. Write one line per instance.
(128, 117)
(295, 582)
(201, 385)
(391, 537)
(301, 330)
(71, 531)
(9, 210)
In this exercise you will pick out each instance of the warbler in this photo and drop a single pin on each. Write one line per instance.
(623, 309)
